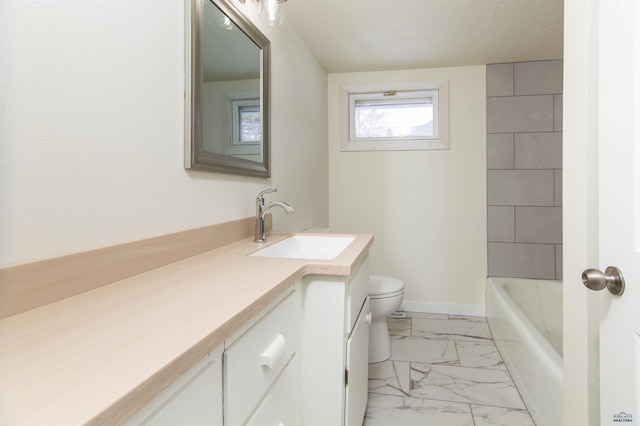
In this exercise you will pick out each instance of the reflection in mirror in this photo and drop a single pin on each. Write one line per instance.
(228, 105)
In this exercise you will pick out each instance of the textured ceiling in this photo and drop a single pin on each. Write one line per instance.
(367, 35)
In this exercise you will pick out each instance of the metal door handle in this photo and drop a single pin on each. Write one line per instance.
(612, 279)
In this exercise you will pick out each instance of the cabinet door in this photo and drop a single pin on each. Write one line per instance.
(358, 368)
(193, 399)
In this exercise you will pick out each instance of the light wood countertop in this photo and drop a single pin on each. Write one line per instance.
(99, 356)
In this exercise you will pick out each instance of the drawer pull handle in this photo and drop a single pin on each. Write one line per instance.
(273, 353)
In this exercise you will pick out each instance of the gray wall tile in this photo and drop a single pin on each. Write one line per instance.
(501, 224)
(520, 187)
(557, 113)
(520, 114)
(538, 78)
(500, 79)
(500, 151)
(524, 176)
(539, 225)
(536, 261)
(538, 150)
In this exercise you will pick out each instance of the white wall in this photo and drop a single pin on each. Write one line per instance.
(91, 152)
(427, 209)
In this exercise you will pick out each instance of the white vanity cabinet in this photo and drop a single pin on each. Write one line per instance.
(303, 360)
(335, 346)
(253, 379)
(194, 399)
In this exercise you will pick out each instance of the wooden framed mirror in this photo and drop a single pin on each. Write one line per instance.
(227, 91)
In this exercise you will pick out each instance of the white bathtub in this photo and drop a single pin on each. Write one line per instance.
(525, 317)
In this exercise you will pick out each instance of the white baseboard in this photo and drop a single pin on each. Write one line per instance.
(442, 308)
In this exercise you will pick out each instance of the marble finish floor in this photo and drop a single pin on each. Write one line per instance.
(444, 370)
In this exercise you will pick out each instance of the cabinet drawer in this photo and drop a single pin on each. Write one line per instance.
(281, 406)
(357, 292)
(254, 361)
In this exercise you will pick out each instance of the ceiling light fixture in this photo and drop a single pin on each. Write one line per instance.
(270, 11)
(224, 21)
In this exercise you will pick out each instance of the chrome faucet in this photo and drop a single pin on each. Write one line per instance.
(261, 212)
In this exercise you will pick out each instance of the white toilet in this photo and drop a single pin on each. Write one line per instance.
(385, 296)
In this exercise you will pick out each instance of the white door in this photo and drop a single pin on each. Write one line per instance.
(619, 207)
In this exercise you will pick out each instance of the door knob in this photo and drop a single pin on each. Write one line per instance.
(612, 279)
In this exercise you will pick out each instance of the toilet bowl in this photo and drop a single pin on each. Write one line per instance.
(385, 296)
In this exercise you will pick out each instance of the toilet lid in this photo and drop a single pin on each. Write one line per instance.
(380, 285)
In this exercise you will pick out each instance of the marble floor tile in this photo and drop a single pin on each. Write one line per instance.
(387, 410)
(463, 384)
(444, 370)
(403, 372)
(390, 378)
(459, 329)
(484, 415)
(479, 354)
(420, 349)
(399, 326)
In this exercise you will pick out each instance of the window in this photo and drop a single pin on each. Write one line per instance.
(246, 132)
(405, 118)
(393, 115)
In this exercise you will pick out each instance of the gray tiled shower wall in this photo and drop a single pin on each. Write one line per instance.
(524, 169)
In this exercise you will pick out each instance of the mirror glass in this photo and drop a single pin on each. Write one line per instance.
(228, 106)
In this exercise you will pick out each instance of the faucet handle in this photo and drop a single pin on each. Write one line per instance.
(266, 191)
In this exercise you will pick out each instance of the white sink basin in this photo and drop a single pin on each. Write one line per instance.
(306, 247)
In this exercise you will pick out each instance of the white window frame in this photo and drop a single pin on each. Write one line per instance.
(238, 146)
(437, 89)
